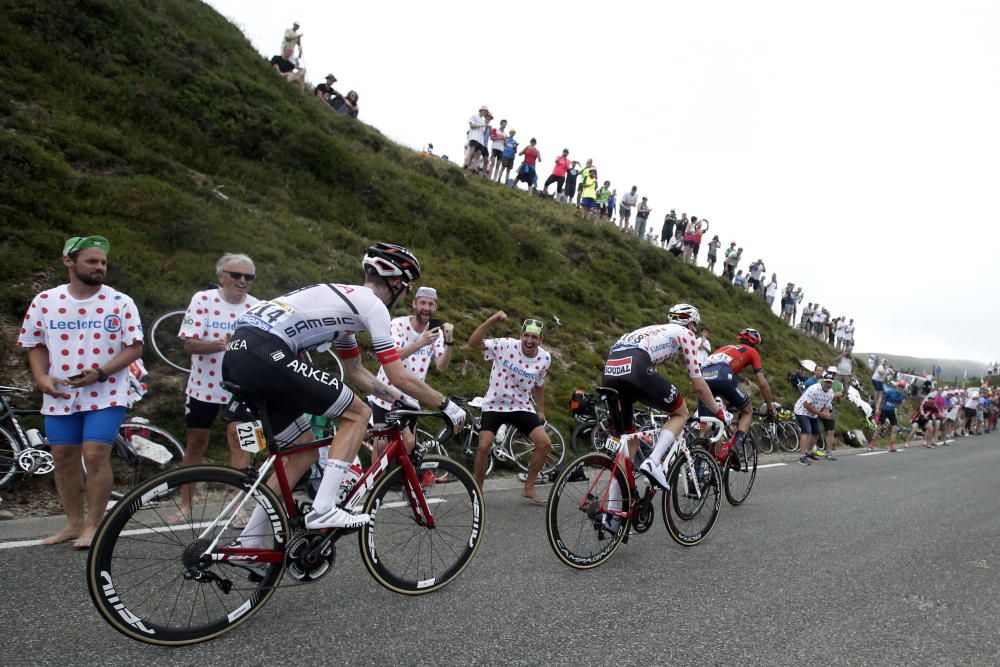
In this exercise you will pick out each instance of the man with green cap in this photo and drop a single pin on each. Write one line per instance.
(518, 376)
(81, 338)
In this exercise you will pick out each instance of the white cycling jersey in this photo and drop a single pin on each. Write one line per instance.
(819, 398)
(325, 313)
(661, 342)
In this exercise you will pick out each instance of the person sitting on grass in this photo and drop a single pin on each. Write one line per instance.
(346, 105)
(284, 65)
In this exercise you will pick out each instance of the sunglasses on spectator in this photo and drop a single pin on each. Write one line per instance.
(236, 275)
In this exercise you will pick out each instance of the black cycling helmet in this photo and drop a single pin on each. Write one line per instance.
(388, 260)
(750, 337)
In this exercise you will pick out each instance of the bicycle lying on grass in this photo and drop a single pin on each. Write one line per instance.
(599, 498)
(181, 584)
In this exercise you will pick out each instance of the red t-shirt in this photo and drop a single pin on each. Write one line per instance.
(562, 166)
(737, 356)
(530, 155)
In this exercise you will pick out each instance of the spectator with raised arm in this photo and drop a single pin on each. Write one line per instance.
(641, 216)
(771, 291)
(629, 200)
(558, 175)
(474, 137)
(669, 222)
(291, 40)
(713, 256)
(507, 160)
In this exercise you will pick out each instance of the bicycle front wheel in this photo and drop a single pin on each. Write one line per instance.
(691, 507)
(399, 547)
(147, 450)
(741, 472)
(581, 531)
(147, 574)
(434, 447)
(9, 449)
(522, 449)
(166, 343)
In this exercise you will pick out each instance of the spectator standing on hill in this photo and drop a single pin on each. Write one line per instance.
(816, 321)
(845, 365)
(849, 334)
(797, 295)
(629, 200)
(682, 224)
(292, 73)
(641, 216)
(676, 245)
(788, 304)
(733, 256)
(498, 137)
(588, 192)
(291, 40)
(740, 281)
(603, 195)
(526, 172)
(507, 161)
(81, 338)
(558, 175)
(474, 137)
(207, 327)
(806, 323)
(771, 291)
(755, 272)
(569, 193)
(704, 345)
(669, 222)
(713, 256)
(838, 332)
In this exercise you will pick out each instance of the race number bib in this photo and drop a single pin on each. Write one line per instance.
(251, 436)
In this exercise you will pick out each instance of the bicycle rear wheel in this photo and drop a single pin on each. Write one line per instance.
(522, 449)
(788, 436)
(144, 573)
(400, 550)
(166, 344)
(145, 449)
(761, 437)
(691, 507)
(741, 472)
(9, 449)
(580, 531)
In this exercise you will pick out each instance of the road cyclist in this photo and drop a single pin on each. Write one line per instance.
(263, 358)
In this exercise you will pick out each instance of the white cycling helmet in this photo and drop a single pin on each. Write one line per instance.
(684, 314)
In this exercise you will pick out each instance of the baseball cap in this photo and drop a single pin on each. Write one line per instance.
(330, 76)
(78, 243)
(428, 292)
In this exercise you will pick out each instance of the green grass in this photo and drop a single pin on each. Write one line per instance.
(121, 117)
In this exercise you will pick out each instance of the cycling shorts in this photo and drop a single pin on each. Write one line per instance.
(265, 368)
(889, 416)
(86, 426)
(632, 374)
(199, 414)
(522, 420)
(725, 384)
(808, 424)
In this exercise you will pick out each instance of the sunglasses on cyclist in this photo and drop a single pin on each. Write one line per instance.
(532, 326)
(236, 275)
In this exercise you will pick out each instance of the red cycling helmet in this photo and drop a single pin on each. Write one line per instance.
(750, 337)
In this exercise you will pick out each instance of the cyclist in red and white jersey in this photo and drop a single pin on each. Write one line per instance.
(631, 370)
(722, 373)
(263, 357)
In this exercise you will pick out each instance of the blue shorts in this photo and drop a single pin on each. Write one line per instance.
(587, 202)
(87, 426)
(809, 425)
(878, 385)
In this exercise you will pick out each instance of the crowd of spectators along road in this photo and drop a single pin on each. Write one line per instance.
(289, 64)
(491, 150)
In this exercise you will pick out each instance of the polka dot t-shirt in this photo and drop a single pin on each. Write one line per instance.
(513, 375)
(79, 335)
(419, 361)
(662, 341)
(210, 317)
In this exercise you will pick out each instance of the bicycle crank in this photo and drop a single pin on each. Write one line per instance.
(304, 562)
(36, 462)
(643, 518)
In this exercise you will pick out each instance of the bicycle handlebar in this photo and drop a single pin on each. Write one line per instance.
(720, 428)
(400, 416)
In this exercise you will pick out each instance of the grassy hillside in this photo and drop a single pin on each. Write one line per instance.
(121, 117)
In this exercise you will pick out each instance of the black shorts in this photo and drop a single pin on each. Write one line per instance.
(265, 368)
(920, 421)
(570, 189)
(523, 421)
(725, 384)
(889, 416)
(970, 413)
(624, 212)
(497, 153)
(828, 424)
(631, 373)
(558, 180)
(478, 146)
(808, 424)
(199, 414)
(507, 162)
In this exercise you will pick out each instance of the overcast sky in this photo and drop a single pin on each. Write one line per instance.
(851, 146)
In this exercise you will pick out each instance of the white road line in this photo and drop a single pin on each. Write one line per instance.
(873, 453)
(771, 465)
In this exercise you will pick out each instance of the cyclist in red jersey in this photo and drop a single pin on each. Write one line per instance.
(721, 372)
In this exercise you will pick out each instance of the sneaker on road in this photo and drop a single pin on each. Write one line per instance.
(812, 456)
(804, 460)
(337, 517)
(654, 473)
(830, 456)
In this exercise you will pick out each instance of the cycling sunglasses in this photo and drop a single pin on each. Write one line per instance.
(532, 326)
(236, 275)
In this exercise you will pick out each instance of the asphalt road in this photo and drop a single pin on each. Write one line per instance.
(871, 560)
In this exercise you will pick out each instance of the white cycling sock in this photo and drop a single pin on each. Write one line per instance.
(614, 496)
(256, 529)
(663, 442)
(329, 488)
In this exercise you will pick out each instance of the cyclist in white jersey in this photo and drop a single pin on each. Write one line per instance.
(420, 340)
(263, 357)
(631, 371)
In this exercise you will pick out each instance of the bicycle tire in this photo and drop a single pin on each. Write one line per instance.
(574, 522)
(599, 435)
(689, 518)
(9, 449)
(738, 481)
(761, 438)
(134, 599)
(521, 449)
(143, 468)
(407, 557)
(166, 343)
(788, 437)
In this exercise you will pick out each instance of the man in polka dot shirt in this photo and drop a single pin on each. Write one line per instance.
(518, 375)
(81, 338)
(208, 325)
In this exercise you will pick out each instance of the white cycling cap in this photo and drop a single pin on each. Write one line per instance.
(428, 292)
